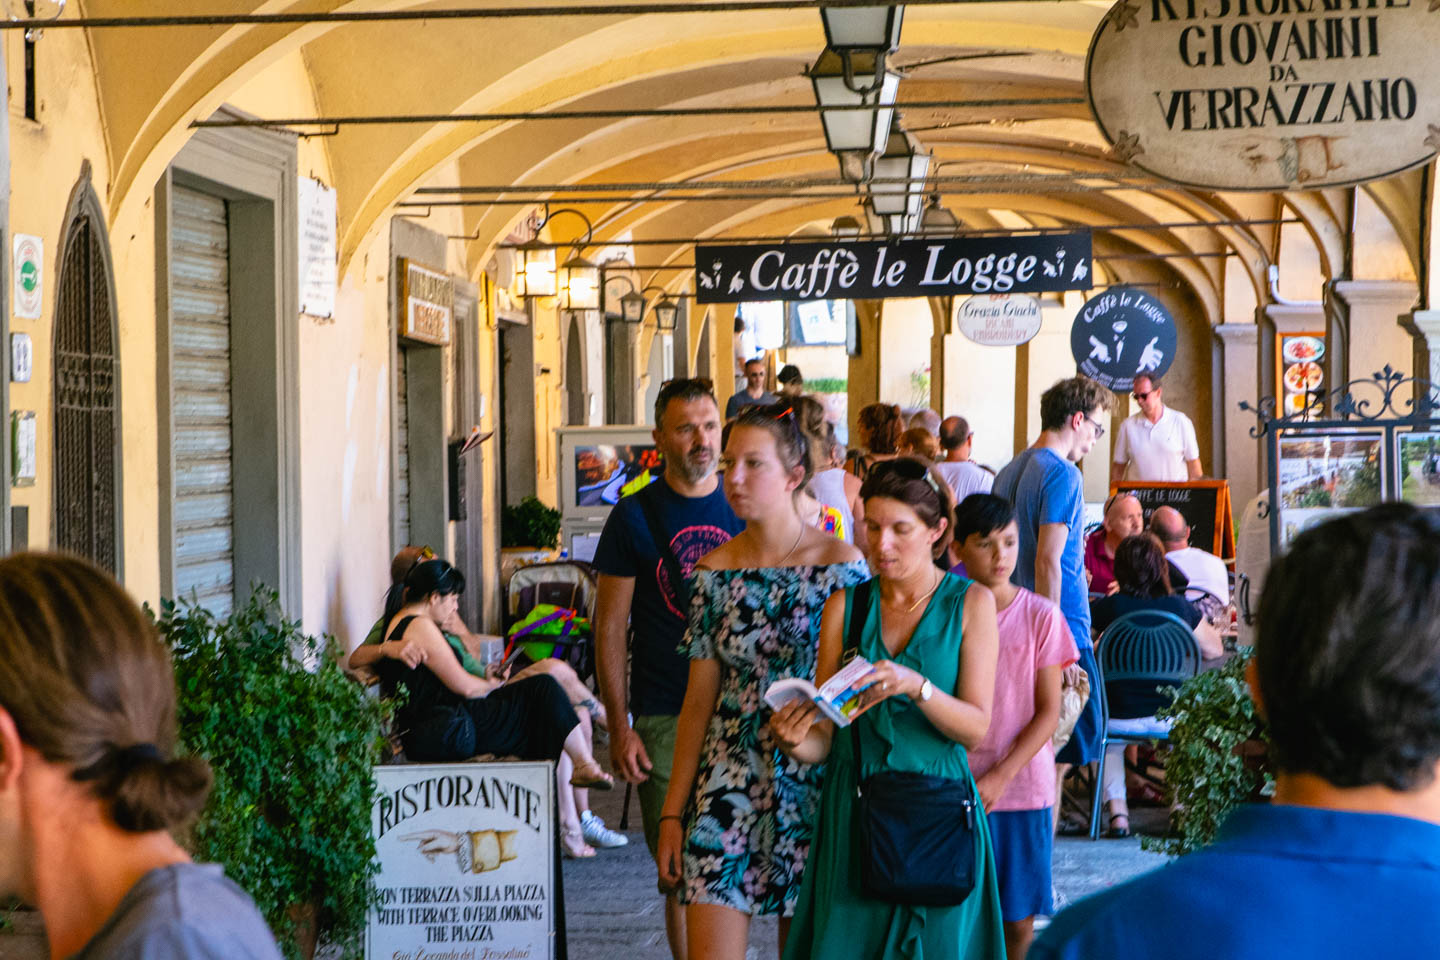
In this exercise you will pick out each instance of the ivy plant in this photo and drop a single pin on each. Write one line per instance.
(291, 740)
(530, 523)
(1216, 761)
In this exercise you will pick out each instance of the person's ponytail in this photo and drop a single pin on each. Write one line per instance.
(144, 790)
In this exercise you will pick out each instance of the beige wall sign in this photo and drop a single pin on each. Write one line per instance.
(1268, 94)
(427, 304)
(999, 320)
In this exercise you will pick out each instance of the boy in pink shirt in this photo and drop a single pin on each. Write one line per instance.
(1014, 766)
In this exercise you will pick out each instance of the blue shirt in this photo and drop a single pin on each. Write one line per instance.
(694, 526)
(1279, 881)
(1047, 488)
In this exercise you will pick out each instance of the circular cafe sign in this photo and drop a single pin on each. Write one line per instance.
(999, 320)
(1268, 94)
(1121, 333)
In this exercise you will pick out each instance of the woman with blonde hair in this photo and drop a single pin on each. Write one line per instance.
(90, 785)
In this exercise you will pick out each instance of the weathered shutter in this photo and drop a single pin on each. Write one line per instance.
(402, 448)
(204, 502)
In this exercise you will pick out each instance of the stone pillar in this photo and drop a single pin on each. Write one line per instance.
(1424, 328)
(863, 374)
(941, 310)
(1372, 328)
(1235, 459)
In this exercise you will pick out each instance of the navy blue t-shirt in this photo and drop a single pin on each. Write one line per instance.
(694, 526)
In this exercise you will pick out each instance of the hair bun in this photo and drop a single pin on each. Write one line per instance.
(157, 794)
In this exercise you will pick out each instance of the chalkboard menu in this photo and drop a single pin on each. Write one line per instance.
(1205, 505)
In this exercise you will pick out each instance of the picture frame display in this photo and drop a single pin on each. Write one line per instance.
(1328, 474)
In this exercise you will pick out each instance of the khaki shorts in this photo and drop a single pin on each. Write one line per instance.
(657, 733)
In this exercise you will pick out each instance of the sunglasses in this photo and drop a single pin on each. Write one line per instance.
(1143, 395)
(907, 469)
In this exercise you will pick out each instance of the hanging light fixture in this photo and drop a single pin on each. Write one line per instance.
(579, 284)
(845, 228)
(872, 27)
(666, 312)
(937, 219)
(906, 164)
(877, 225)
(632, 307)
(536, 276)
(857, 78)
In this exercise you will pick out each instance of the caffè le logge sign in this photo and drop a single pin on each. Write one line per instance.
(1268, 94)
(870, 270)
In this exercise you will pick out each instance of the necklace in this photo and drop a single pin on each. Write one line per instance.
(798, 537)
(926, 596)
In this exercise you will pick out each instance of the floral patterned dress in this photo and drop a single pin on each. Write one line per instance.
(749, 823)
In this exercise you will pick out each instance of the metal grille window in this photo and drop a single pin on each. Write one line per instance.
(204, 498)
(87, 438)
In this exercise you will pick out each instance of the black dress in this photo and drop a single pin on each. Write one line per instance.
(529, 718)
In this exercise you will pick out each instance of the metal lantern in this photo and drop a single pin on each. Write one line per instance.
(876, 224)
(579, 284)
(536, 276)
(905, 164)
(870, 27)
(666, 311)
(632, 307)
(938, 219)
(836, 80)
(845, 228)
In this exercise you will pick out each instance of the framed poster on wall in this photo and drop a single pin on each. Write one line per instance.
(1417, 459)
(1327, 474)
(1300, 374)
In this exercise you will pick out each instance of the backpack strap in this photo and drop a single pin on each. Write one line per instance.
(859, 611)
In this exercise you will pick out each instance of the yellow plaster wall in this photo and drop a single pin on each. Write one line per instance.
(905, 329)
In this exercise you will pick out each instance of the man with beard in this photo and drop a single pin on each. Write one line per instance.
(651, 542)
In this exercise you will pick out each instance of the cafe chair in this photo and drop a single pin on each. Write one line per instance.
(1139, 653)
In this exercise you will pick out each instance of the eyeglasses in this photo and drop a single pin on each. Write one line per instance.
(1143, 395)
(1099, 427)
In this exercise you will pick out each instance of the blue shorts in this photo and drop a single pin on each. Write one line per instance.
(1084, 744)
(1023, 841)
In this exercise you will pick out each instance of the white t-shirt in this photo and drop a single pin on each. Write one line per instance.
(965, 477)
(1159, 451)
(1203, 570)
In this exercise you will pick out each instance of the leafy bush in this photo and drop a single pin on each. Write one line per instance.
(827, 385)
(530, 523)
(1207, 771)
(291, 741)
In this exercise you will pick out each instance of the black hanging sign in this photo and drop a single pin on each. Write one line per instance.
(870, 270)
(1121, 333)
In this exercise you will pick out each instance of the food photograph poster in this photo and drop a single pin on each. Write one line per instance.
(1322, 475)
(467, 864)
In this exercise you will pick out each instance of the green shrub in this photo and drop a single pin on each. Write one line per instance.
(291, 740)
(530, 523)
(1206, 773)
(827, 385)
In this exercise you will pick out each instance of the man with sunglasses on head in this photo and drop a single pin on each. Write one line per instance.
(1048, 493)
(1158, 443)
(650, 544)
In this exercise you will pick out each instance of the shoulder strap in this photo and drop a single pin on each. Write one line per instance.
(646, 502)
(859, 613)
(399, 630)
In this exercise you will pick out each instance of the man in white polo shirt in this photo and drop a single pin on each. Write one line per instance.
(1202, 568)
(1157, 444)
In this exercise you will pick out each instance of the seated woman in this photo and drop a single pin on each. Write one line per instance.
(451, 714)
(1123, 518)
(1143, 577)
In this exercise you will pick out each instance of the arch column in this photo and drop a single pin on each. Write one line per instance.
(1236, 344)
(1373, 331)
(863, 370)
(941, 310)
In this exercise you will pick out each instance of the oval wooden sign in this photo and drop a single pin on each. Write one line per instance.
(1000, 320)
(1268, 94)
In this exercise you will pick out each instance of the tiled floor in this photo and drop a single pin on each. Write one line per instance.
(614, 911)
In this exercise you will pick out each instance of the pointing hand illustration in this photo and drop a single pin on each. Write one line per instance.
(1101, 352)
(1150, 357)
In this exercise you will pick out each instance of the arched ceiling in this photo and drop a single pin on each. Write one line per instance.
(963, 51)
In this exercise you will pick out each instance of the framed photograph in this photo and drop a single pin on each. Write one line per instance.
(1322, 475)
(1417, 456)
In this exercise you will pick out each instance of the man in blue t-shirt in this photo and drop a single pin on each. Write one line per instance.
(1047, 490)
(1345, 862)
(686, 510)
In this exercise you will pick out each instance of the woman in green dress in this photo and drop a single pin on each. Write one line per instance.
(933, 640)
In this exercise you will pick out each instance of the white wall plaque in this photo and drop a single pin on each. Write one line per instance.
(467, 860)
(21, 357)
(28, 266)
(999, 320)
(318, 257)
(1235, 95)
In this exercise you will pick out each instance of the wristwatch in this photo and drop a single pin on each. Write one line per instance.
(927, 690)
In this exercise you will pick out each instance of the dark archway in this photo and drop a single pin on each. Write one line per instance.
(87, 381)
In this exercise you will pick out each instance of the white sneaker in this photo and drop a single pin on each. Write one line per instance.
(597, 834)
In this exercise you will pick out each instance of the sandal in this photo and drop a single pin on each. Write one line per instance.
(573, 845)
(591, 777)
(1073, 828)
(1118, 833)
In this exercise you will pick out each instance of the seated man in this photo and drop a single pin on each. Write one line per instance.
(1345, 862)
(1203, 569)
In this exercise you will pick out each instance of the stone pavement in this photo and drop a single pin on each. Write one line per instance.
(613, 909)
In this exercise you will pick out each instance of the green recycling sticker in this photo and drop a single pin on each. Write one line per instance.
(29, 266)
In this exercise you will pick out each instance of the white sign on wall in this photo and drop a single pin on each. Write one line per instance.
(28, 266)
(1229, 94)
(467, 860)
(999, 320)
(318, 257)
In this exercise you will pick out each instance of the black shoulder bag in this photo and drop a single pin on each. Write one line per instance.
(646, 500)
(917, 832)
